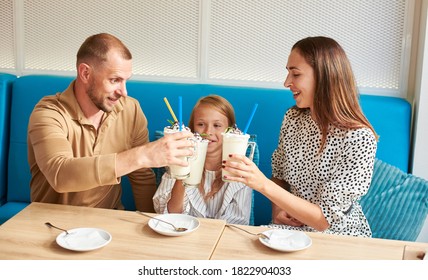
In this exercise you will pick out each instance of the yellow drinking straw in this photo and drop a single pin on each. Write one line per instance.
(170, 109)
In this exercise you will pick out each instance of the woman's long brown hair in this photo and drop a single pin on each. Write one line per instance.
(336, 98)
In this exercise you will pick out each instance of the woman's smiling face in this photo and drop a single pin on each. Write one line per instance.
(300, 80)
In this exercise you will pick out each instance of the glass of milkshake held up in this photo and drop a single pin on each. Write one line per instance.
(235, 142)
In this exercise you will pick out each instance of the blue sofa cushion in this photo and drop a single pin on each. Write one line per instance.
(396, 204)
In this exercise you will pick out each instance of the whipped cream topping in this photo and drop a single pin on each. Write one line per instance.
(199, 138)
(234, 130)
(175, 127)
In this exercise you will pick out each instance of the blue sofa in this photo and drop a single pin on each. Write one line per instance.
(6, 81)
(391, 118)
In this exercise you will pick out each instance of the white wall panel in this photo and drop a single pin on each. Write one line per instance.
(7, 53)
(241, 42)
(161, 34)
(250, 40)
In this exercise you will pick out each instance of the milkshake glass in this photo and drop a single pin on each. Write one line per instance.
(234, 143)
(197, 164)
(177, 171)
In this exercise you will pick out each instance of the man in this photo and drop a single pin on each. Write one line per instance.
(83, 140)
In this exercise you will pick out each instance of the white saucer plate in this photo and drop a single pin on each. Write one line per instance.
(285, 240)
(178, 220)
(84, 239)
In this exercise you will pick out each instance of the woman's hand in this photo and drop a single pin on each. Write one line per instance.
(283, 218)
(244, 170)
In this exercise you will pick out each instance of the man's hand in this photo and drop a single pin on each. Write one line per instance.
(170, 149)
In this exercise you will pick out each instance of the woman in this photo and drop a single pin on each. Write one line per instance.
(213, 198)
(324, 160)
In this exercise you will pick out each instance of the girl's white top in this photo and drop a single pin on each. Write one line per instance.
(231, 203)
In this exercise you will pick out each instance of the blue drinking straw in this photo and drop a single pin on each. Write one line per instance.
(180, 112)
(251, 118)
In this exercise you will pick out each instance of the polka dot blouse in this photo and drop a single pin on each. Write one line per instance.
(334, 179)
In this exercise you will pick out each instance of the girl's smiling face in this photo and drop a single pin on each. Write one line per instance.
(209, 121)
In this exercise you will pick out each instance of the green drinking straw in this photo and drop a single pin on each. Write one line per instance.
(170, 109)
(251, 118)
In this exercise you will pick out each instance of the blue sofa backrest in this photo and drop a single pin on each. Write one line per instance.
(27, 91)
(389, 116)
(5, 95)
(391, 119)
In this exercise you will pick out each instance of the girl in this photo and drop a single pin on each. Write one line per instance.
(213, 198)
